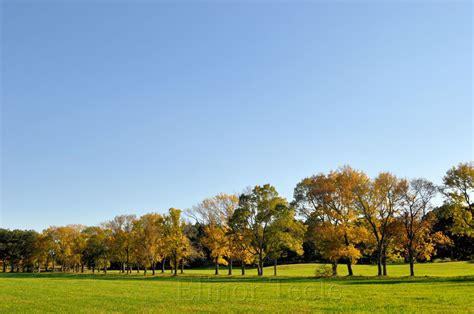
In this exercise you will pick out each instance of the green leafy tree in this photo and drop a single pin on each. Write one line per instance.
(286, 233)
(255, 215)
(459, 192)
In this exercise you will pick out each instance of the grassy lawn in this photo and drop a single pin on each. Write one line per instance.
(450, 288)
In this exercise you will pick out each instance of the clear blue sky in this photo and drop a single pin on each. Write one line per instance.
(130, 108)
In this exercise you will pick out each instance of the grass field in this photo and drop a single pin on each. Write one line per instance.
(449, 287)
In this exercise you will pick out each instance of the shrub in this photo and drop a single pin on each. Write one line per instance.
(323, 270)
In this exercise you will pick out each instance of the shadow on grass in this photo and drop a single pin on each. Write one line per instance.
(355, 280)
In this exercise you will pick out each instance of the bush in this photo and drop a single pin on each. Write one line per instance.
(323, 271)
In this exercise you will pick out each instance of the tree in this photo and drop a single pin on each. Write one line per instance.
(149, 237)
(64, 245)
(177, 245)
(215, 214)
(459, 192)
(216, 241)
(122, 239)
(98, 248)
(378, 202)
(285, 234)
(328, 203)
(256, 213)
(5, 251)
(414, 215)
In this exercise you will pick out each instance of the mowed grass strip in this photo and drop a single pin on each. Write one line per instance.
(197, 292)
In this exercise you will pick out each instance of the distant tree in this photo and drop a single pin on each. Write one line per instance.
(98, 248)
(122, 239)
(459, 192)
(64, 244)
(177, 245)
(414, 215)
(149, 237)
(328, 203)
(215, 214)
(5, 247)
(285, 234)
(255, 215)
(378, 202)
(461, 246)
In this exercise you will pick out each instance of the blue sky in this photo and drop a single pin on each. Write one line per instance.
(130, 108)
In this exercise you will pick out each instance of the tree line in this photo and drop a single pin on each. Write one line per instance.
(343, 216)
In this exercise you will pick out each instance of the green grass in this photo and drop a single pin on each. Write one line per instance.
(450, 288)
(450, 269)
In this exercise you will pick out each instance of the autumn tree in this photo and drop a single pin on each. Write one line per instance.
(328, 203)
(414, 216)
(149, 237)
(378, 202)
(215, 214)
(122, 239)
(177, 245)
(459, 191)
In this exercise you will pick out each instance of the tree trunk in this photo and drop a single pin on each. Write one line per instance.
(82, 268)
(349, 267)
(144, 270)
(4, 266)
(175, 266)
(217, 266)
(53, 265)
(260, 263)
(243, 268)
(230, 266)
(412, 262)
(275, 268)
(349, 262)
(128, 264)
(153, 268)
(379, 262)
(384, 262)
(334, 268)
(105, 269)
(182, 267)
(163, 265)
(93, 269)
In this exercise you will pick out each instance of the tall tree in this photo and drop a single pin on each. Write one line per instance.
(256, 213)
(215, 214)
(177, 244)
(98, 248)
(123, 239)
(149, 236)
(379, 201)
(286, 233)
(65, 241)
(459, 192)
(328, 203)
(414, 215)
